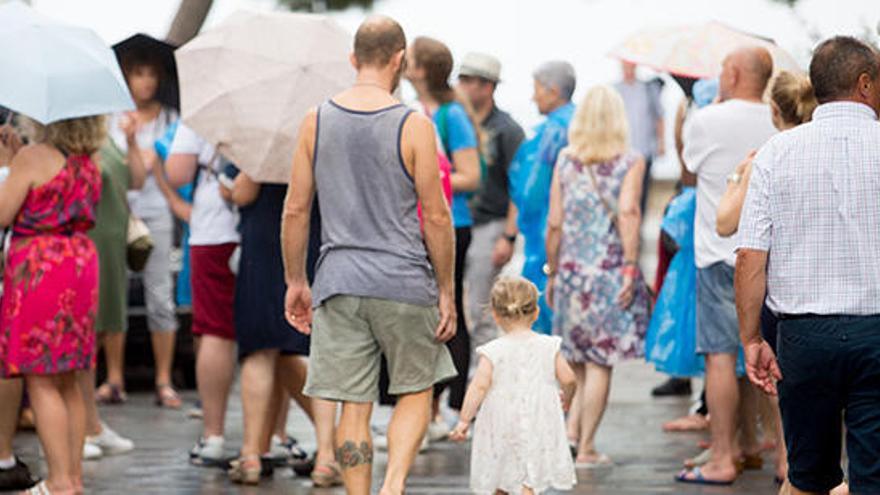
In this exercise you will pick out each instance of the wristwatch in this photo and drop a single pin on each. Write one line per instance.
(734, 178)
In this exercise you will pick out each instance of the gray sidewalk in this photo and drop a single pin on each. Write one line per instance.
(645, 458)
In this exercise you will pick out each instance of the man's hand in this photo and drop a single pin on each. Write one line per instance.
(447, 327)
(761, 366)
(298, 307)
(460, 432)
(502, 253)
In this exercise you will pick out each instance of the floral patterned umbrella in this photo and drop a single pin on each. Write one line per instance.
(695, 51)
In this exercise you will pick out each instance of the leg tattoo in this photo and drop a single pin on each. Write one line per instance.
(349, 455)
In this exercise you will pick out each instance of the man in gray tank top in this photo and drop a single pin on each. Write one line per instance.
(384, 283)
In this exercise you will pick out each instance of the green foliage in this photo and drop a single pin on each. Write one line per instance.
(325, 5)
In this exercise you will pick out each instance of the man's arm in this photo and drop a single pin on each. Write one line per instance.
(298, 207)
(420, 151)
(295, 227)
(750, 279)
(503, 251)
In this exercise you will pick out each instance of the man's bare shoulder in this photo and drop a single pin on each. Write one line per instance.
(417, 126)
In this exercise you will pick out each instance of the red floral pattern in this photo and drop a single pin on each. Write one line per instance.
(50, 292)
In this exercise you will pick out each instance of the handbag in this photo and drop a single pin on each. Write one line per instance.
(613, 216)
(139, 244)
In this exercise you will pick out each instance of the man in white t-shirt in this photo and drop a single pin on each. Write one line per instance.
(213, 239)
(716, 139)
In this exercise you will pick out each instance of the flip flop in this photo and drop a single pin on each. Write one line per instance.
(698, 460)
(699, 479)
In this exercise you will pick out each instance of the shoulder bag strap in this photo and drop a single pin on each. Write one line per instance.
(605, 205)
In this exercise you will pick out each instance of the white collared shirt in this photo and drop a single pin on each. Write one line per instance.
(814, 204)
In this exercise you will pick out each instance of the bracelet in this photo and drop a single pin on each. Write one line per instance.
(630, 270)
(548, 271)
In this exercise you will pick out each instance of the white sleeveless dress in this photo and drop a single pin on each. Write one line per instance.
(519, 436)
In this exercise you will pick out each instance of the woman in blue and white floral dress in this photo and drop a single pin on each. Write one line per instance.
(601, 304)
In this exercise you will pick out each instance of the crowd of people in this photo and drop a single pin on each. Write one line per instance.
(335, 296)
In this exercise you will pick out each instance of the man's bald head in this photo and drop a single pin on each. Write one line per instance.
(377, 40)
(746, 73)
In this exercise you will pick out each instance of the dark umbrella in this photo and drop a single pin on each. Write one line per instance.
(686, 83)
(145, 48)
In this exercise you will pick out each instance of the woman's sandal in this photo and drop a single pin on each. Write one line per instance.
(326, 476)
(110, 393)
(167, 397)
(246, 470)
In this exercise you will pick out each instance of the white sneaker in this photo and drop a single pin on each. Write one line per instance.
(208, 452)
(91, 452)
(286, 450)
(110, 442)
(438, 431)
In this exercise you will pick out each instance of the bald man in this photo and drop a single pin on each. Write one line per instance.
(380, 286)
(715, 140)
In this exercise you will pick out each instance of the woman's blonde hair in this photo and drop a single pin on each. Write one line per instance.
(599, 129)
(514, 298)
(79, 136)
(794, 97)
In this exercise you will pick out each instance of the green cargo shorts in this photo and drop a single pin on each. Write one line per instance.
(350, 335)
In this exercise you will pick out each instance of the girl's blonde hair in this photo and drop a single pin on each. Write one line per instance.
(599, 130)
(794, 97)
(514, 298)
(79, 136)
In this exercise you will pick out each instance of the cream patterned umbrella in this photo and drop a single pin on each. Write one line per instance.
(695, 51)
(246, 85)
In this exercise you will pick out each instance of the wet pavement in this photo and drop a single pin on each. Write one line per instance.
(645, 457)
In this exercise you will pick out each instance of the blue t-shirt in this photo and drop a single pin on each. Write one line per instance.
(460, 134)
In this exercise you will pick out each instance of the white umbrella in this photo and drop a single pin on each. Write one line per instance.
(694, 51)
(246, 85)
(54, 71)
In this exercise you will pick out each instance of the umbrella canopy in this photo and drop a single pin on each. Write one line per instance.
(246, 85)
(55, 71)
(143, 48)
(695, 51)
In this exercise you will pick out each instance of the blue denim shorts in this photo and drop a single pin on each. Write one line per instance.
(717, 327)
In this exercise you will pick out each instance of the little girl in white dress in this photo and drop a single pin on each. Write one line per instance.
(519, 445)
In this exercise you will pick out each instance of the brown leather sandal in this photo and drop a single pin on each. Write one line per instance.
(326, 476)
(246, 470)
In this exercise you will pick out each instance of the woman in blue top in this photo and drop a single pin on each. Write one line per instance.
(429, 66)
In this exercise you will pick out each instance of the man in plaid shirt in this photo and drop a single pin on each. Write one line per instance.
(813, 212)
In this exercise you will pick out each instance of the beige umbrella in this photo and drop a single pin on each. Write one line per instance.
(246, 85)
(694, 51)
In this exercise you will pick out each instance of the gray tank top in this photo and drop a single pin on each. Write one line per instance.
(371, 240)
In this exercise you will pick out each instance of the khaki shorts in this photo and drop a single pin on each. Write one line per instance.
(349, 336)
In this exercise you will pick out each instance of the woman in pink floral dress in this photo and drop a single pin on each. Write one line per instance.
(50, 291)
